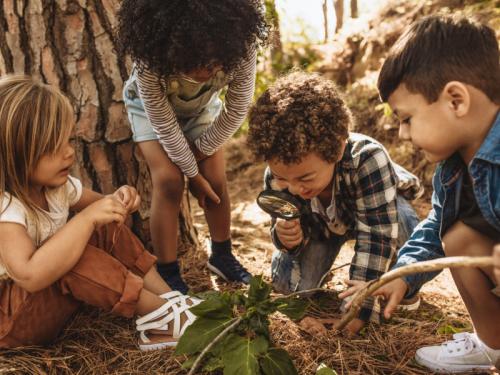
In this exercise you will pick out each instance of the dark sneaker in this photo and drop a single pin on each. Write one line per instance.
(227, 266)
(174, 281)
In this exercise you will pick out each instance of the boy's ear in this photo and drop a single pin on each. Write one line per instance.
(457, 97)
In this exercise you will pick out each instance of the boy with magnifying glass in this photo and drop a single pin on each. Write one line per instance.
(347, 182)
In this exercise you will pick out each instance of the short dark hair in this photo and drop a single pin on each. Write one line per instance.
(177, 36)
(299, 114)
(438, 49)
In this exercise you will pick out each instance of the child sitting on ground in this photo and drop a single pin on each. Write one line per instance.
(49, 266)
(442, 80)
(300, 127)
(185, 53)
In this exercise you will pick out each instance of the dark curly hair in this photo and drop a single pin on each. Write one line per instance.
(301, 113)
(174, 36)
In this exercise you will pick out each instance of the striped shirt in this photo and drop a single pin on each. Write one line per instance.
(164, 120)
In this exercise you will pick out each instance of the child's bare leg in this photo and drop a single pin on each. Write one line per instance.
(168, 186)
(475, 284)
(154, 283)
(218, 215)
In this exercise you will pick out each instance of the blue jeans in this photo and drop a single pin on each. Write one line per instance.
(309, 269)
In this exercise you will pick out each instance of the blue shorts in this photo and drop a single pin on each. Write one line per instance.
(141, 128)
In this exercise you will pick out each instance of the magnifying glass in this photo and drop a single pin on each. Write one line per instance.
(280, 204)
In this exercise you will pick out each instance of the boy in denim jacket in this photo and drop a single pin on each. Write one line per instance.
(442, 80)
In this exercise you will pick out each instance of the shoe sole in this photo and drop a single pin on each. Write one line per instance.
(217, 271)
(157, 346)
(452, 369)
(412, 307)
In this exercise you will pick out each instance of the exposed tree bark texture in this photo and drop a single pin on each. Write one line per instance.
(339, 14)
(354, 9)
(70, 44)
(325, 20)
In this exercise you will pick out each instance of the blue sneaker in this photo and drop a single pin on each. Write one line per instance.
(227, 266)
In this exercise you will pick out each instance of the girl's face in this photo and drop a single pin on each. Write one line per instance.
(203, 74)
(52, 170)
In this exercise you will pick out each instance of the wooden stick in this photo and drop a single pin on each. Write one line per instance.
(419, 267)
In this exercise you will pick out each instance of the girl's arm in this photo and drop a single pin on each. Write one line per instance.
(127, 195)
(36, 270)
(88, 197)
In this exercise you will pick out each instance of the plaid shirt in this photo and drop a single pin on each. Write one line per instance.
(365, 189)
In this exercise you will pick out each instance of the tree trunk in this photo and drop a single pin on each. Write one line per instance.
(70, 44)
(354, 8)
(339, 14)
(325, 19)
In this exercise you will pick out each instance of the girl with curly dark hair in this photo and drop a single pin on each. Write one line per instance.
(185, 52)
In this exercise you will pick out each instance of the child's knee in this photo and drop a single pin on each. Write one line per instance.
(169, 186)
(461, 239)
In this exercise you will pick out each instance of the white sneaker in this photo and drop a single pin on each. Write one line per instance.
(465, 353)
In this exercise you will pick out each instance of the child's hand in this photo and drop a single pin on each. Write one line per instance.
(289, 232)
(496, 262)
(393, 293)
(128, 196)
(355, 286)
(105, 211)
(202, 190)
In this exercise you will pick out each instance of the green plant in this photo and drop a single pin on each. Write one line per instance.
(231, 332)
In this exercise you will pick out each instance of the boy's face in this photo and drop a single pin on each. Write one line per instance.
(431, 127)
(307, 178)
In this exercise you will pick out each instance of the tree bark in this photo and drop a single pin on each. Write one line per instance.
(354, 9)
(325, 20)
(339, 14)
(70, 44)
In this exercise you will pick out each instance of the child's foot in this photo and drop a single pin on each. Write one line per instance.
(227, 266)
(171, 273)
(163, 327)
(410, 304)
(465, 353)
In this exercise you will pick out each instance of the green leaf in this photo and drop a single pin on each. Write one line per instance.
(259, 324)
(240, 355)
(188, 363)
(325, 370)
(294, 308)
(277, 362)
(266, 307)
(259, 291)
(449, 329)
(213, 363)
(214, 308)
(199, 334)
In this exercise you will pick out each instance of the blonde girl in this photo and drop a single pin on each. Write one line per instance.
(49, 265)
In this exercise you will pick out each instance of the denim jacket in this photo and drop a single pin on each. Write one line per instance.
(484, 169)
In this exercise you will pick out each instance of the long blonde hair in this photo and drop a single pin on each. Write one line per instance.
(35, 119)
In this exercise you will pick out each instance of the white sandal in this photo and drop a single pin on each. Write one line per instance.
(159, 319)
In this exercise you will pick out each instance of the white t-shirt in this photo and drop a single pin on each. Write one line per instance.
(59, 199)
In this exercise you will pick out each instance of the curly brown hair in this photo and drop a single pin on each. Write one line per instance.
(299, 114)
(179, 36)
